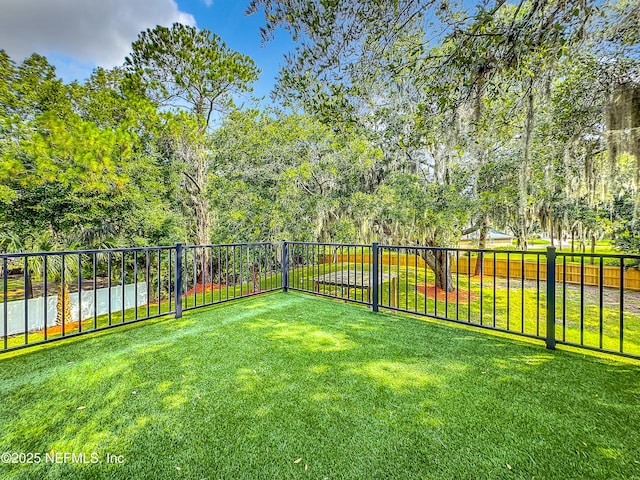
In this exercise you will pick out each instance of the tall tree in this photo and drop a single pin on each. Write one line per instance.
(193, 71)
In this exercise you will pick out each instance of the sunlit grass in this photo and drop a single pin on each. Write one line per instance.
(291, 386)
(510, 304)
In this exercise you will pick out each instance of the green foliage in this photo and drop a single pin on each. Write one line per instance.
(183, 65)
(625, 224)
(78, 161)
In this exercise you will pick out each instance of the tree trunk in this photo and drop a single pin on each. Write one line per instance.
(593, 248)
(551, 233)
(522, 234)
(479, 270)
(29, 285)
(63, 312)
(559, 237)
(438, 262)
(573, 237)
(200, 205)
(203, 237)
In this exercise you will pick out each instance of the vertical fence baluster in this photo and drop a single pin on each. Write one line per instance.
(109, 301)
(45, 294)
(601, 303)
(235, 276)
(564, 298)
(508, 290)
(457, 285)
(270, 268)
(26, 300)
(285, 266)
(581, 300)
(61, 295)
(219, 274)
(374, 276)
(178, 287)
(397, 276)
(5, 286)
(362, 281)
(226, 272)
(348, 272)
(522, 272)
(95, 290)
(79, 293)
(406, 279)
(135, 283)
(621, 305)
(147, 261)
(426, 284)
(494, 289)
(538, 294)
(123, 276)
(211, 282)
(159, 261)
(194, 250)
(242, 268)
(203, 273)
(481, 260)
(551, 298)
(468, 289)
(169, 280)
(415, 280)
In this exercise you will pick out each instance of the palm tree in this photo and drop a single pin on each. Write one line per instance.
(63, 307)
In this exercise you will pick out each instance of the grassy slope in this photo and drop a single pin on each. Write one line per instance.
(244, 390)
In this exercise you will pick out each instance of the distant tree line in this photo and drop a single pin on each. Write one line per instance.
(406, 122)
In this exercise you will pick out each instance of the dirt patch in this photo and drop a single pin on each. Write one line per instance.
(459, 295)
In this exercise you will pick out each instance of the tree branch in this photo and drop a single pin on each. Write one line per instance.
(195, 184)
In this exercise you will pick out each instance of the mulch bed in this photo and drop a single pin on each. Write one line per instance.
(459, 295)
(207, 287)
(57, 329)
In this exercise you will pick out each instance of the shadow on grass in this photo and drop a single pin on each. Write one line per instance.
(286, 386)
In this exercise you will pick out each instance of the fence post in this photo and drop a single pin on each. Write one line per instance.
(374, 275)
(178, 280)
(285, 266)
(551, 298)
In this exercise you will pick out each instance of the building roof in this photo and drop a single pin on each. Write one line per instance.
(491, 235)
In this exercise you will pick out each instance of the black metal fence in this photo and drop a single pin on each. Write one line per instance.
(48, 296)
(583, 300)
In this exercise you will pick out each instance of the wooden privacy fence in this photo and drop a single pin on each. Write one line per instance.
(590, 276)
(512, 268)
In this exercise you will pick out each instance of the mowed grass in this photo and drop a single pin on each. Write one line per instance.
(286, 385)
(509, 304)
(165, 306)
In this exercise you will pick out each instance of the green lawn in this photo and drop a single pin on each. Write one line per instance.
(154, 308)
(290, 386)
(520, 308)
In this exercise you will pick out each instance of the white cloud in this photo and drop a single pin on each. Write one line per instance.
(99, 32)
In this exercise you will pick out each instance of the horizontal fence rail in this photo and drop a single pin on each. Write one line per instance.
(584, 300)
(49, 296)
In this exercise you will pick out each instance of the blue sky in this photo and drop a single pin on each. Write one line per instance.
(78, 35)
